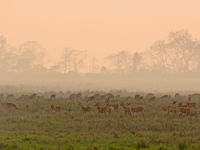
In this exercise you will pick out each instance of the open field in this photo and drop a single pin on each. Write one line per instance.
(59, 122)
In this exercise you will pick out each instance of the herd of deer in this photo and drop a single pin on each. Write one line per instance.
(181, 108)
(111, 108)
(108, 108)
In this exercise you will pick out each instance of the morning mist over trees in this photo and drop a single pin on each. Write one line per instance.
(171, 63)
(99, 75)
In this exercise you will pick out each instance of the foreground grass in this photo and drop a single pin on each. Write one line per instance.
(86, 142)
(38, 128)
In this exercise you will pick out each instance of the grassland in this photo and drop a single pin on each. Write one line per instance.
(40, 128)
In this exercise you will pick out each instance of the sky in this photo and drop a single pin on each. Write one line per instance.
(101, 27)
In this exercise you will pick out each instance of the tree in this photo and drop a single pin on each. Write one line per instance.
(7, 56)
(121, 61)
(30, 55)
(136, 60)
(94, 65)
(180, 53)
(73, 60)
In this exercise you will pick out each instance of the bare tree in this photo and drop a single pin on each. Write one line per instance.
(94, 65)
(180, 53)
(121, 61)
(136, 61)
(7, 56)
(30, 56)
(73, 60)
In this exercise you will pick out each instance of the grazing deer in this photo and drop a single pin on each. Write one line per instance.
(33, 96)
(152, 98)
(53, 97)
(55, 108)
(91, 98)
(8, 105)
(184, 110)
(138, 110)
(100, 109)
(141, 98)
(97, 96)
(110, 96)
(27, 106)
(171, 109)
(127, 109)
(137, 96)
(11, 105)
(182, 105)
(149, 95)
(191, 104)
(164, 97)
(85, 109)
(72, 96)
(75, 96)
(115, 106)
(58, 108)
(110, 109)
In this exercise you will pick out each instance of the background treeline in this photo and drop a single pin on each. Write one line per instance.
(173, 61)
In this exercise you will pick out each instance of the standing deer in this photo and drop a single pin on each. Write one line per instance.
(115, 106)
(171, 109)
(127, 109)
(8, 105)
(100, 109)
(85, 109)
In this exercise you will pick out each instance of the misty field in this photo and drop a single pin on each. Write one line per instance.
(59, 123)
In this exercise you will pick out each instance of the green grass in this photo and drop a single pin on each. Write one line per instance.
(41, 129)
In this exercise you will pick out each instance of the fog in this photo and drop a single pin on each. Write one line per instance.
(167, 65)
(99, 45)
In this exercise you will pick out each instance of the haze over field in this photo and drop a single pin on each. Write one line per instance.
(135, 45)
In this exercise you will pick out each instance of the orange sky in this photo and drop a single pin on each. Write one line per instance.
(98, 26)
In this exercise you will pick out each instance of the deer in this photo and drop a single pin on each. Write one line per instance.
(182, 105)
(58, 108)
(191, 104)
(138, 109)
(55, 108)
(100, 109)
(27, 106)
(184, 110)
(53, 97)
(115, 106)
(171, 109)
(109, 107)
(33, 96)
(152, 98)
(127, 109)
(85, 109)
(8, 105)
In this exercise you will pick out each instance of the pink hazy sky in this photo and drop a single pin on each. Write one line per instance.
(99, 26)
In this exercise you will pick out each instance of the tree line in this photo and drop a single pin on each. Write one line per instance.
(179, 53)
